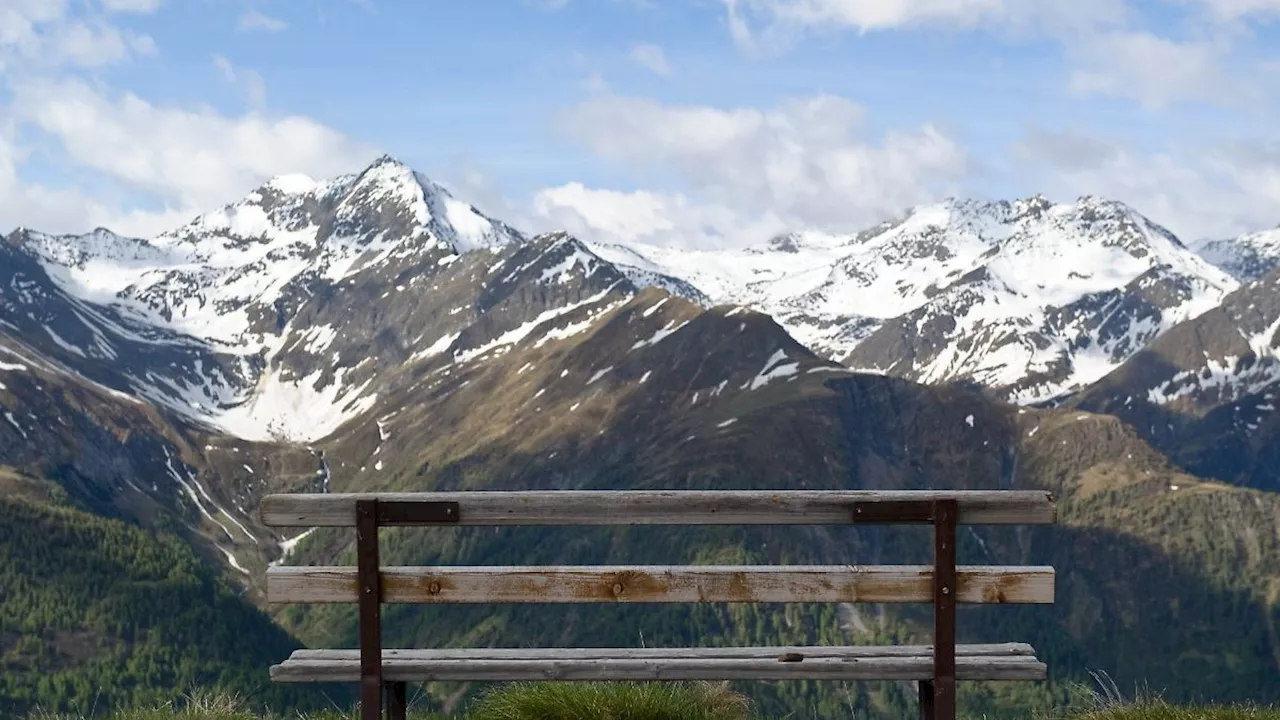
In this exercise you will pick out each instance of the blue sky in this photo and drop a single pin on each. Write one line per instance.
(694, 121)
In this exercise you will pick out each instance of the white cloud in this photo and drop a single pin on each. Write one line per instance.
(42, 34)
(137, 6)
(595, 83)
(622, 215)
(252, 20)
(249, 82)
(775, 22)
(151, 166)
(1239, 9)
(188, 159)
(652, 57)
(1108, 41)
(1201, 192)
(802, 164)
(641, 215)
(1154, 71)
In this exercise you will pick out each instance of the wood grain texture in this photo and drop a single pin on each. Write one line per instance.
(675, 507)
(813, 664)
(648, 653)
(662, 584)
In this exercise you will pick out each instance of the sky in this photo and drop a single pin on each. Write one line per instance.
(706, 123)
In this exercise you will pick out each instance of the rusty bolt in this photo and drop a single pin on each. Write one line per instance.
(617, 588)
(433, 588)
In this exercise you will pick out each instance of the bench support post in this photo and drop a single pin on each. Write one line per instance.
(397, 707)
(943, 686)
(926, 700)
(370, 610)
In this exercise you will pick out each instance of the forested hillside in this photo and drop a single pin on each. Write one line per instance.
(96, 613)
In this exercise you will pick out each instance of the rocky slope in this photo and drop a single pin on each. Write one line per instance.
(1248, 257)
(1027, 298)
(226, 321)
(1205, 390)
(731, 401)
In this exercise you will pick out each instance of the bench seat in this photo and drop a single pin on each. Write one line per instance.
(1007, 661)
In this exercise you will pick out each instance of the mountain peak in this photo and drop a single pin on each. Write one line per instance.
(387, 159)
(292, 184)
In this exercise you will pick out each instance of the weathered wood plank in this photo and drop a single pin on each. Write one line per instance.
(675, 507)
(661, 584)
(648, 653)
(671, 668)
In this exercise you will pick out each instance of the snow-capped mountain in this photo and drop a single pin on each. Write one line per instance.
(1030, 298)
(222, 276)
(1206, 391)
(271, 317)
(1248, 257)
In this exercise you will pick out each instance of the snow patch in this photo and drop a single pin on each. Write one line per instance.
(772, 370)
(9, 416)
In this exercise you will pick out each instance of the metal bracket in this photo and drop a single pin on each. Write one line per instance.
(417, 512)
(893, 511)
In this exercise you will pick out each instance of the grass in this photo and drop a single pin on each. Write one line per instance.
(519, 701)
(1107, 703)
(650, 701)
(1160, 711)
(612, 701)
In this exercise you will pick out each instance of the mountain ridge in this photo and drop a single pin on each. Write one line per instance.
(405, 363)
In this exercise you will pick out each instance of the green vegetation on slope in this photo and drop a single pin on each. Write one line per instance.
(518, 701)
(1160, 576)
(97, 614)
(1162, 711)
(642, 701)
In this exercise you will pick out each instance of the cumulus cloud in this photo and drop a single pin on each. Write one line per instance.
(1109, 42)
(252, 20)
(1213, 191)
(776, 22)
(188, 159)
(152, 165)
(135, 6)
(652, 57)
(249, 82)
(1238, 9)
(43, 34)
(749, 171)
(1154, 71)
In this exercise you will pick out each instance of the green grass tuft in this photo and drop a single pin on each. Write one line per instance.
(520, 701)
(612, 701)
(1161, 711)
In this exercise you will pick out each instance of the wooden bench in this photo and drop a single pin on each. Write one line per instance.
(384, 671)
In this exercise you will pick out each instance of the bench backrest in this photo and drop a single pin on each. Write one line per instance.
(943, 584)
(659, 584)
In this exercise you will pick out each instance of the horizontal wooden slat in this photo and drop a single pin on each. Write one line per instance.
(649, 653)
(807, 663)
(675, 584)
(676, 507)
